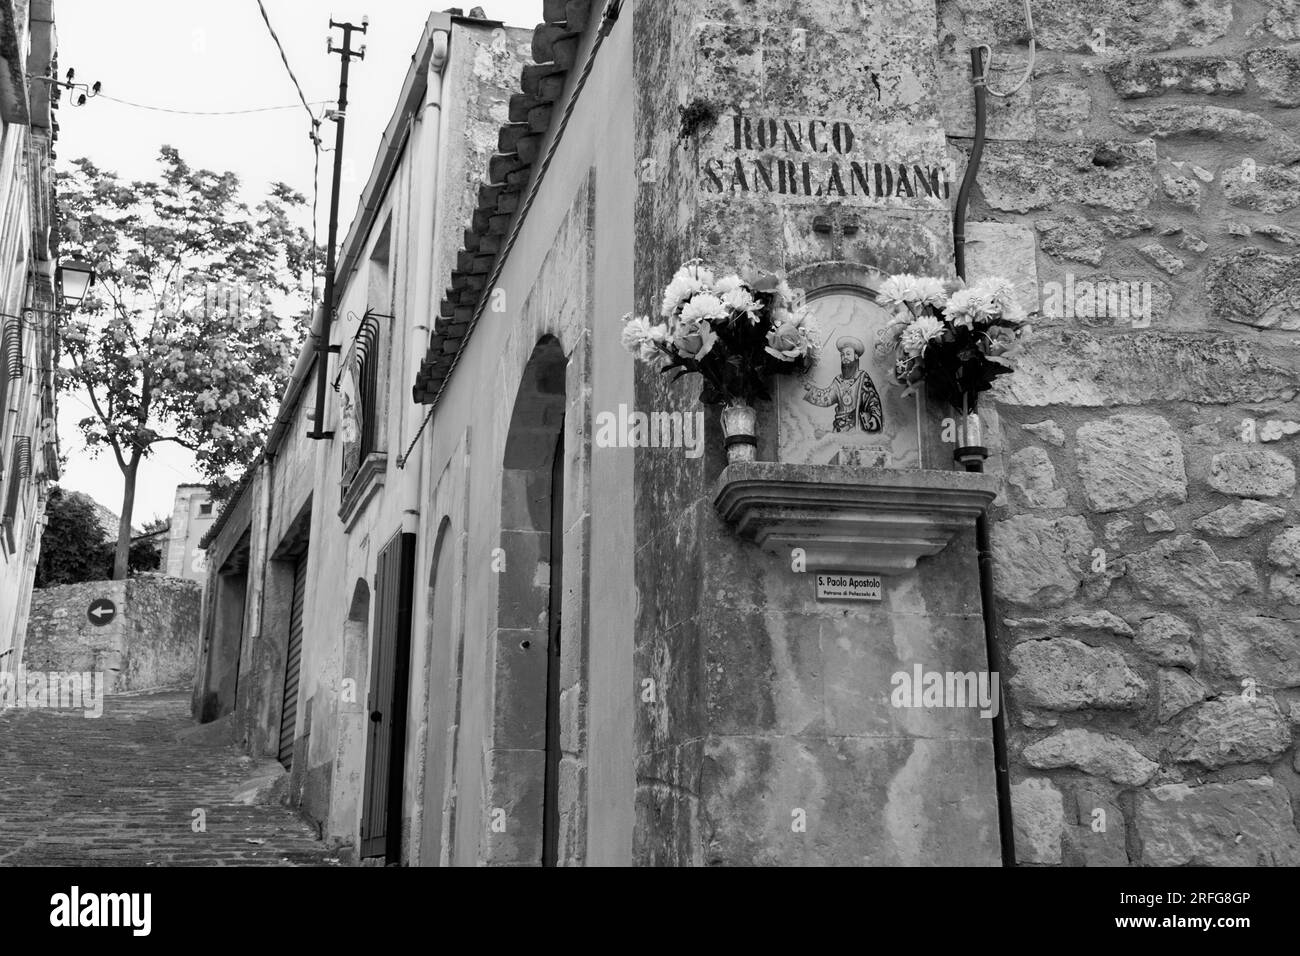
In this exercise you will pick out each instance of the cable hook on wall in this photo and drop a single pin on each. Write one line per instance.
(983, 79)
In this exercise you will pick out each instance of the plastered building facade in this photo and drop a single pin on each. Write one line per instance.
(476, 634)
(28, 345)
(192, 516)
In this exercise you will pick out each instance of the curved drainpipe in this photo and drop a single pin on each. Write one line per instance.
(987, 601)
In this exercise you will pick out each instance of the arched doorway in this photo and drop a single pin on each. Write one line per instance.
(350, 748)
(443, 701)
(526, 743)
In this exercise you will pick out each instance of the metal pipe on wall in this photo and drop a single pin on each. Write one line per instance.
(1001, 772)
(422, 306)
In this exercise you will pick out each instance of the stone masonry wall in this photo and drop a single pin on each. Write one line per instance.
(151, 642)
(1147, 545)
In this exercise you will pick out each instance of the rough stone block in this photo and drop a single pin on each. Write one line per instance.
(1079, 368)
(1177, 690)
(1241, 646)
(1139, 26)
(1162, 258)
(1232, 730)
(1077, 239)
(1031, 473)
(1262, 188)
(1007, 250)
(1038, 815)
(1253, 287)
(1103, 755)
(1239, 520)
(1065, 674)
(1252, 473)
(1021, 177)
(1135, 77)
(1064, 108)
(1244, 823)
(1097, 835)
(1039, 560)
(1166, 639)
(1277, 71)
(1193, 120)
(1282, 20)
(1127, 460)
(1185, 571)
(1048, 431)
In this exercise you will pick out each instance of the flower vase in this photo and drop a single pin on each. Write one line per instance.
(971, 452)
(739, 434)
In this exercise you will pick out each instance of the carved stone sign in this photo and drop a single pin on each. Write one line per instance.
(809, 159)
(846, 410)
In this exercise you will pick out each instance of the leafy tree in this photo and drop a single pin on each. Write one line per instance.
(72, 545)
(145, 555)
(185, 337)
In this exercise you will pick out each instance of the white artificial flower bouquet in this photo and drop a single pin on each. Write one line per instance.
(954, 338)
(735, 332)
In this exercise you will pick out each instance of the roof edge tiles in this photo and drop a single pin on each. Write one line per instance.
(555, 47)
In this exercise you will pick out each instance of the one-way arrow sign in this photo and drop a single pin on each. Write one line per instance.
(101, 611)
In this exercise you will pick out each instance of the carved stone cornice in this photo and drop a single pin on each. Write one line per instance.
(874, 520)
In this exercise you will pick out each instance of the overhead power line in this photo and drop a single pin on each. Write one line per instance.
(244, 112)
(315, 142)
(283, 56)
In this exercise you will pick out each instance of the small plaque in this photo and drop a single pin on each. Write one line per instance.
(848, 587)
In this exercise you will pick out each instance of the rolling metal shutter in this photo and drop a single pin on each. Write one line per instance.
(292, 662)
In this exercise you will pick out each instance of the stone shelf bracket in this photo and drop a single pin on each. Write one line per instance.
(863, 520)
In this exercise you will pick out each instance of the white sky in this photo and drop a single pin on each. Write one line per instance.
(218, 55)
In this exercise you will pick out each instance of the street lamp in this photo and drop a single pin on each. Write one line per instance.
(74, 278)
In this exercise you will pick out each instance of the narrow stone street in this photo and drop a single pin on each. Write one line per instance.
(122, 790)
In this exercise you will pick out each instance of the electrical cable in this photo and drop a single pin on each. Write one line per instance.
(988, 64)
(316, 146)
(177, 112)
(284, 56)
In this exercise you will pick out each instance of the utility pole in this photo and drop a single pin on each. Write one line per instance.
(339, 116)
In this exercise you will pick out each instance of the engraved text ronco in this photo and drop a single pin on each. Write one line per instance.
(810, 158)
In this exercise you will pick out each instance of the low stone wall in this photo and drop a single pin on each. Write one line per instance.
(150, 641)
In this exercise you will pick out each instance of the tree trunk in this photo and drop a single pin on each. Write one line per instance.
(122, 556)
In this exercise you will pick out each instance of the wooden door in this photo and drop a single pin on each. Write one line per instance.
(389, 672)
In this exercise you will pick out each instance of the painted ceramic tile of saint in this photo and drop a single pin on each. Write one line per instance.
(852, 393)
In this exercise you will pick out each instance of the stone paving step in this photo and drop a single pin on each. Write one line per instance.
(122, 790)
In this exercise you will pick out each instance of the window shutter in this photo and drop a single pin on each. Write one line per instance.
(366, 358)
(20, 471)
(11, 362)
(361, 371)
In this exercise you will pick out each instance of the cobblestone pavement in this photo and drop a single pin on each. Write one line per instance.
(121, 790)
